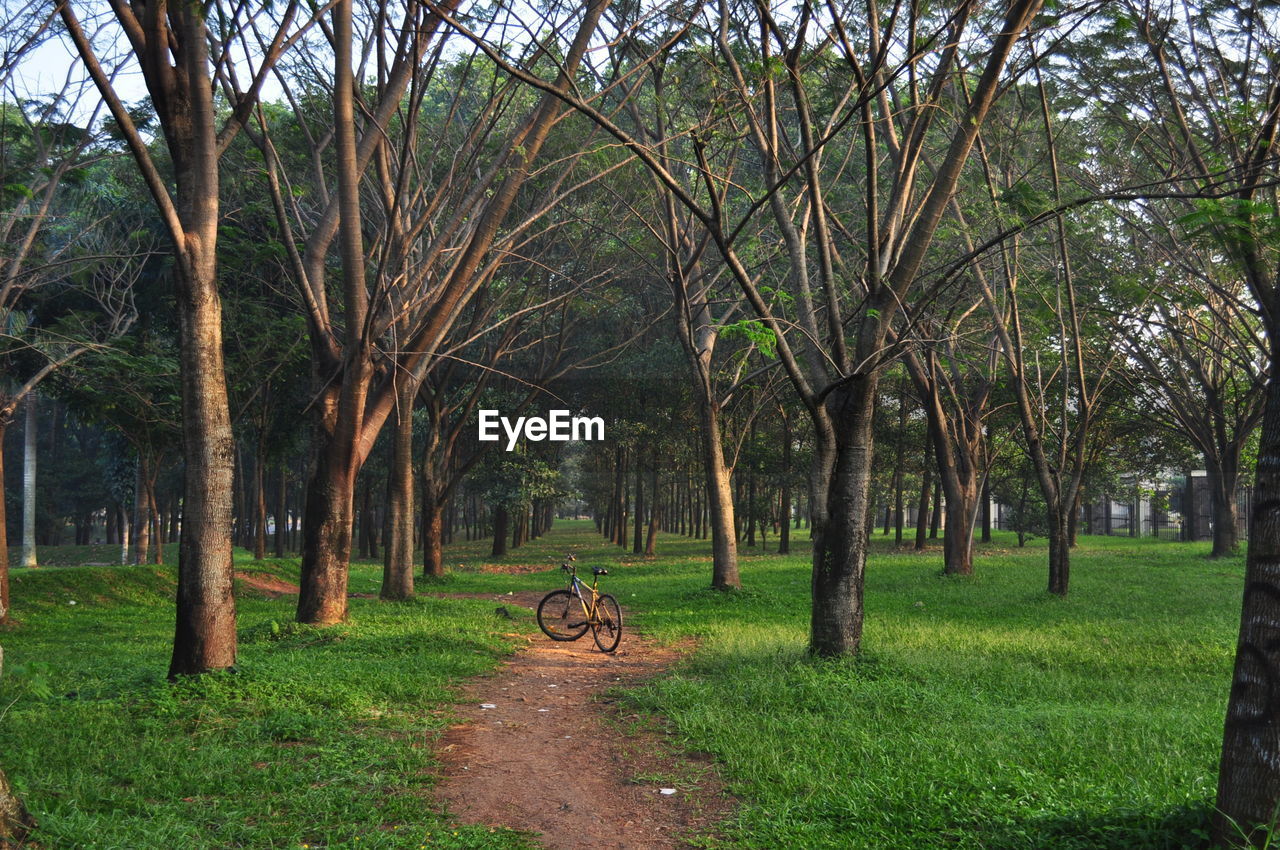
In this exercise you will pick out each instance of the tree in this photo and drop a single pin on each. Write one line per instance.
(370, 358)
(177, 52)
(832, 345)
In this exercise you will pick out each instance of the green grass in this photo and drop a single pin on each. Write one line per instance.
(322, 738)
(983, 713)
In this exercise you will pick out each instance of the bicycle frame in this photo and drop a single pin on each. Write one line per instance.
(576, 586)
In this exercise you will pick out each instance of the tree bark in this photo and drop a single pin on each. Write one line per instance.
(501, 523)
(282, 511)
(935, 516)
(1248, 780)
(986, 509)
(1224, 475)
(141, 511)
(326, 536)
(655, 509)
(1059, 551)
(260, 497)
(926, 489)
(839, 494)
(784, 531)
(29, 558)
(397, 553)
(4, 533)
(432, 535)
(637, 539)
(724, 542)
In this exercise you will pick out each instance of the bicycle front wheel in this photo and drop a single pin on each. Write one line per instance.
(606, 626)
(560, 616)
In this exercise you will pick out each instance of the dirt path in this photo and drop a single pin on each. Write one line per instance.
(542, 749)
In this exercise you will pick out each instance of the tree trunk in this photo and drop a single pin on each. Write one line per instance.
(724, 543)
(205, 635)
(1189, 508)
(432, 536)
(153, 510)
(397, 553)
(282, 510)
(1248, 777)
(260, 497)
(986, 509)
(29, 485)
(840, 490)
(1059, 550)
(751, 493)
(784, 532)
(4, 533)
(1223, 477)
(935, 517)
(1073, 522)
(141, 512)
(962, 514)
(326, 536)
(501, 523)
(123, 524)
(655, 509)
(619, 527)
(637, 539)
(926, 489)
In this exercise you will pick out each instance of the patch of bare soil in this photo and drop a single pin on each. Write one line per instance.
(268, 585)
(543, 748)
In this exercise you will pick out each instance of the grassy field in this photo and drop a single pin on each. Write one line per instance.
(984, 714)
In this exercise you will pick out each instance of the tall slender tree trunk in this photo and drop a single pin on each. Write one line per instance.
(282, 510)
(157, 527)
(1189, 508)
(4, 533)
(935, 515)
(141, 511)
(326, 542)
(784, 531)
(1059, 549)
(724, 542)
(655, 509)
(29, 558)
(432, 534)
(637, 542)
(397, 553)
(986, 509)
(926, 489)
(260, 497)
(205, 633)
(501, 523)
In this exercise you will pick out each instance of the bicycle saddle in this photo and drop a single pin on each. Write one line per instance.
(599, 571)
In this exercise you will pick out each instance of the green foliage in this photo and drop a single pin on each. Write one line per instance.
(753, 331)
(1234, 222)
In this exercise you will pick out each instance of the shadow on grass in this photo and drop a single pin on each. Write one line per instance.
(1178, 828)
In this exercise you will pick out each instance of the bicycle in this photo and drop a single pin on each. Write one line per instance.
(561, 619)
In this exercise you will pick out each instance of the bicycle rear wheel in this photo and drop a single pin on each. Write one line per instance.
(560, 616)
(607, 626)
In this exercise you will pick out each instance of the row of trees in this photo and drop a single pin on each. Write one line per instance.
(903, 245)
